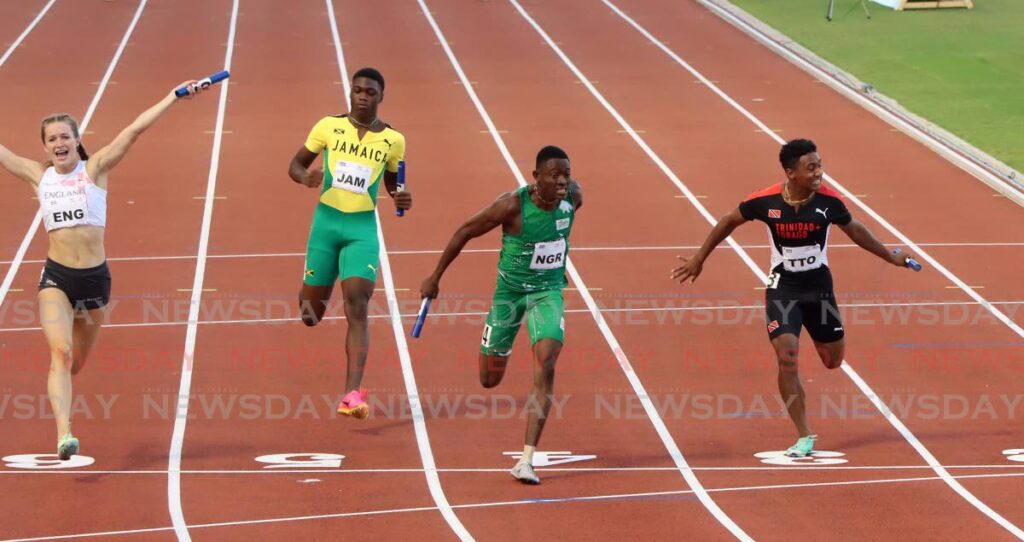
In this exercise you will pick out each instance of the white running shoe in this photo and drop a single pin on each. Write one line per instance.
(523, 472)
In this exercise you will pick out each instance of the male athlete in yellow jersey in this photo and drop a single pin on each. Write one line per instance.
(359, 151)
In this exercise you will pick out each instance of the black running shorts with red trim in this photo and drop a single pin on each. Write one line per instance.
(788, 309)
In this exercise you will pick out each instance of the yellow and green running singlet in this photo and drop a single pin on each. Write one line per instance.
(343, 237)
(353, 168)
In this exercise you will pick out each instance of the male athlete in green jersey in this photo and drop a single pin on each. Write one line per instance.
(535, 222)
(360, 151)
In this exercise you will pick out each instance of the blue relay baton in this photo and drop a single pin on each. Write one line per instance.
(204, 83)
(421, 317)
(401, 188)
(909, 262)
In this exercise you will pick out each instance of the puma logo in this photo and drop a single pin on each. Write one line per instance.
(372, 268)
(822, 212)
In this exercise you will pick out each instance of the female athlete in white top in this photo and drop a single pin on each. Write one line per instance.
(75, 282)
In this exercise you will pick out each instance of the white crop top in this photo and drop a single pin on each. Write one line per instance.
(71, 200)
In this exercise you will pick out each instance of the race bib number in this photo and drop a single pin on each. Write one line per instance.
(351, 177)
(801, 258)
(550, 255)
(65, 206)
(485, 340)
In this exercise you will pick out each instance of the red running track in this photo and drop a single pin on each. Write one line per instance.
(264, 387)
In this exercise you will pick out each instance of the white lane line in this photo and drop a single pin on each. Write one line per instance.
(25, 33)
(586, 498)
(181, 411)
(624, 363)
(412, 391)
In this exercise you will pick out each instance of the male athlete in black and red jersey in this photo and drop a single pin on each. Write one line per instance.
(799, 293)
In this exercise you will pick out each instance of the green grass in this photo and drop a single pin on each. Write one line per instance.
(960, 69)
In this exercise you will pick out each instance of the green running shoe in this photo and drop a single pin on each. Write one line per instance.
(803, 447)
(67, 447)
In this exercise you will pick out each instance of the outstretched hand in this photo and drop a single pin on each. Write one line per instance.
(690, 269)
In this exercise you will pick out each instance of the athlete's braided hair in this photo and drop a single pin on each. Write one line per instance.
(793, 150)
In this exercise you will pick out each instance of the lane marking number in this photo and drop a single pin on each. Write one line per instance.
(549, 459)
(46, 461)
(301, 461)
(817, 457)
